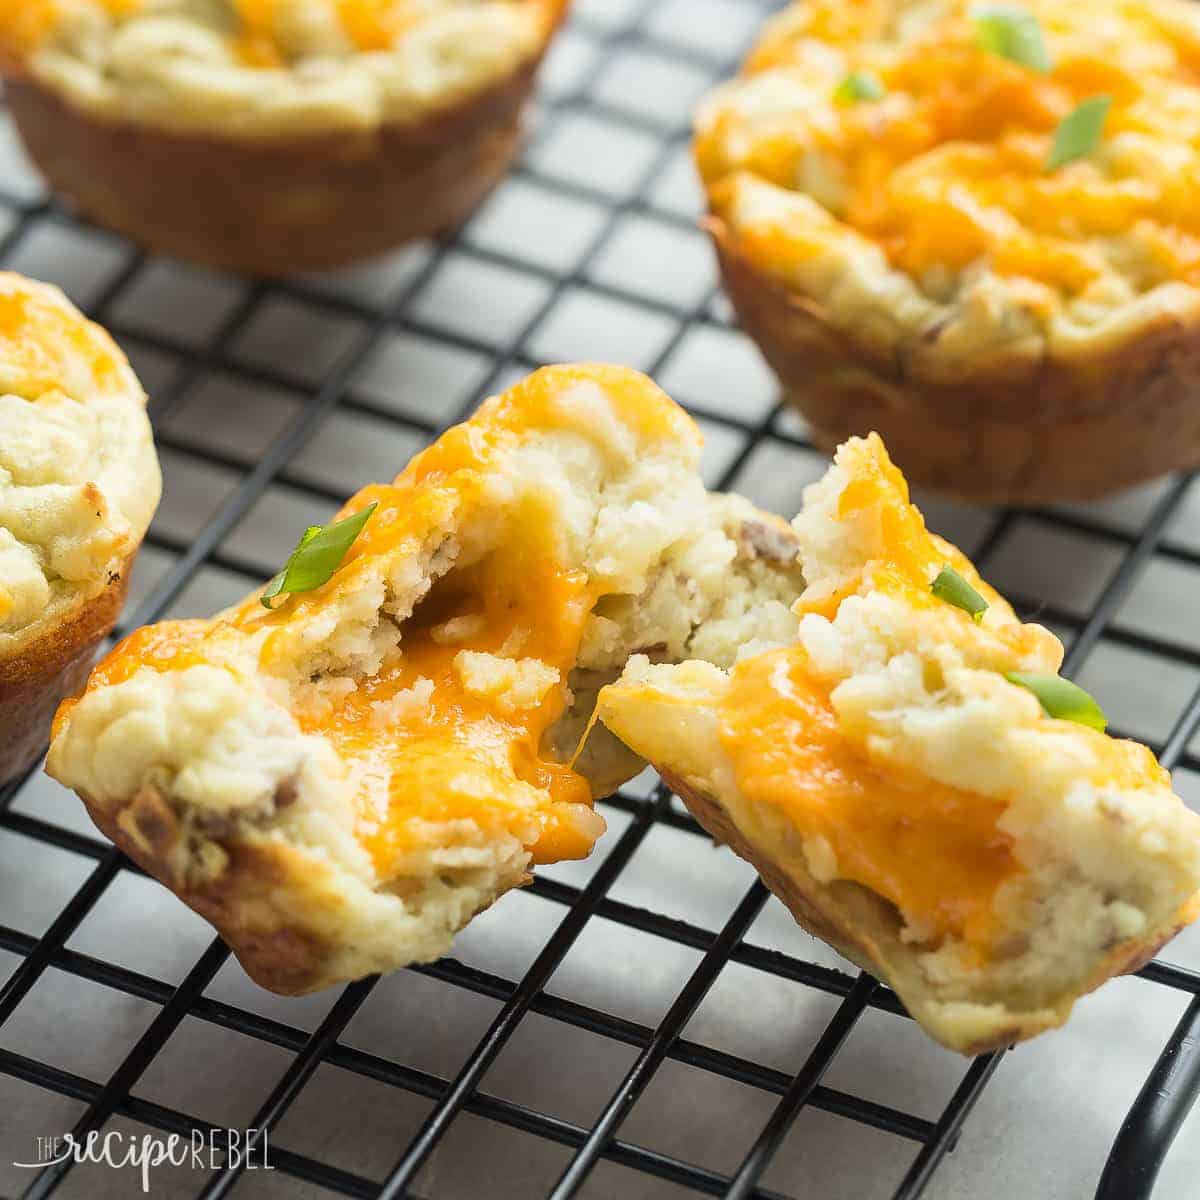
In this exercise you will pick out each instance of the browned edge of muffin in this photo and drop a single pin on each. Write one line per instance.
(54, 665)
(275, 950)
(272, 206)
(278, 907)
(857, 923)
(1021, 429)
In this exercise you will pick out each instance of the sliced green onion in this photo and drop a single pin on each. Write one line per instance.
(954, 589)
(1079, 132)
(1061, 698)
(858, 86)
(317, 555)
(1012, 32)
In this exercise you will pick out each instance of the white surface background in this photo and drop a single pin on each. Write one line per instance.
(618, 90)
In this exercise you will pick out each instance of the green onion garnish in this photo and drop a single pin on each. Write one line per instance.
(1079, 133)
(1061, 698)
(858, 86)
(317, 555)
(1013, 33)
(954, 589)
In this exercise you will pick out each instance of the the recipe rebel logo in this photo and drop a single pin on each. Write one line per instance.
(202, 1150)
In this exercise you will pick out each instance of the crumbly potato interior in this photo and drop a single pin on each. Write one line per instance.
(928, 210)
(990, 857)
(251, 68)
(412, 723)
(79, 480)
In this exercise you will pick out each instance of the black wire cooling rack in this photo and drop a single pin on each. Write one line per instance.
(620, 71)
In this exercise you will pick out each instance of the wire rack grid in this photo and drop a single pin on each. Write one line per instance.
(555, 1054)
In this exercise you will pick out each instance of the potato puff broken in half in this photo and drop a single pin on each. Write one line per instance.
(905, 795)
(340, 782)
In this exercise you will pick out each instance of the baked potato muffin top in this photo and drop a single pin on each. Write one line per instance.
(270, 67)
(79, 479)
(900, 161)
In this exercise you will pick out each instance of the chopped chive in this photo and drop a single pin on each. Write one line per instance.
(1012, 32)
(1061, 698)
(954, 589)
(858, 86)
(1079, 132)
(317, 555)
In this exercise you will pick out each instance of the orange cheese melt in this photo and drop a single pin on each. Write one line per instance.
(42, 345)
(934, 852)
(465, 756)
(947, 169)
(369, 24)
(458, 756)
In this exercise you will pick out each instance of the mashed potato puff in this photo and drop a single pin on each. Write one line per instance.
(341, 781)
(79, 482)
(273, 137)
(909, 799)
(895, 240)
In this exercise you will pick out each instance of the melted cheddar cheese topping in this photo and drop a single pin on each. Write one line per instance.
(43, 343)
(369, 24)
(429, 744)
(946, 169)
(934, 852)
(256, 28)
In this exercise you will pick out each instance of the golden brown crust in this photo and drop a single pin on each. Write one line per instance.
(277, 908)
(36, 678)
(273, 949)
(274, 206)
(719, 825)
(288, 955)
(857, 923)
(1022, 430)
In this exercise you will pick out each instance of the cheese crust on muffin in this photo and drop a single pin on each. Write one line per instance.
(79, 482)
(894, 239)
(265, 68)
(341, 782)
(912, 804)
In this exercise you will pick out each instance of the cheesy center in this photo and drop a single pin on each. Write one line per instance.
(452, 730)
(934, 852)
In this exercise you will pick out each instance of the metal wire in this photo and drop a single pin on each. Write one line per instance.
(1155, 1117)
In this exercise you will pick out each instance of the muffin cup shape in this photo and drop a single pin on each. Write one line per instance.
(51, 667)
(916, 257)
(272, 206)
(79, 484)
(1021, 431)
